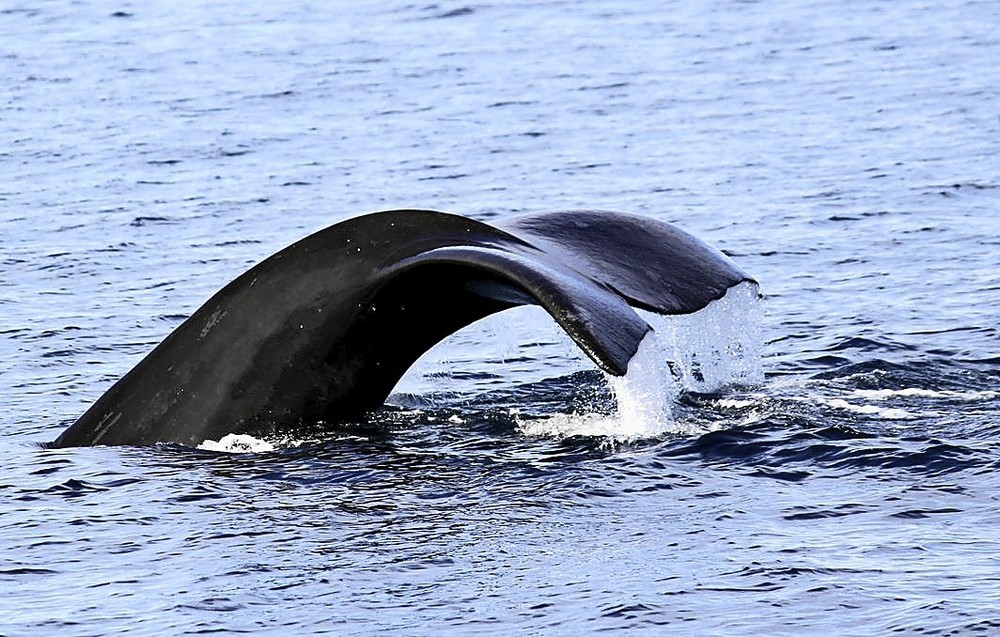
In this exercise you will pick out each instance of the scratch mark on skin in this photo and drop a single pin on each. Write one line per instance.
(106, 423)
(212, 321)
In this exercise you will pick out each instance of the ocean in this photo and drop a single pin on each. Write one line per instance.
(838, 476)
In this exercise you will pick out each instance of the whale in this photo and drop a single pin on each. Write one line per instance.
(321, 331)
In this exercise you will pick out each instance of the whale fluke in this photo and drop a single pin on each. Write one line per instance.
(323, 329)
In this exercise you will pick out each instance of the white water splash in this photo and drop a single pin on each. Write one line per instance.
(567, 425)
(887, 413)
(718, 347)
(916, 398)
(916, 392)
(237, 443)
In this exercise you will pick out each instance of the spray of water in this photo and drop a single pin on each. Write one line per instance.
(709, 351)
(237, 443)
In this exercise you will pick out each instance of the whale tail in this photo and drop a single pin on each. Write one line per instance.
(324, 329)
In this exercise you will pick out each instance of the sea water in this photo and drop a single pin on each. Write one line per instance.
(843, 155)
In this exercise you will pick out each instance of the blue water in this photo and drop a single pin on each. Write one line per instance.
(843, 153)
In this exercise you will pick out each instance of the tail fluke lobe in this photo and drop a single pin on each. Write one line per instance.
(325, 328)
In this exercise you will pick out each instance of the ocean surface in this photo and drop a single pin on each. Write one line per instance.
(839, 477)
